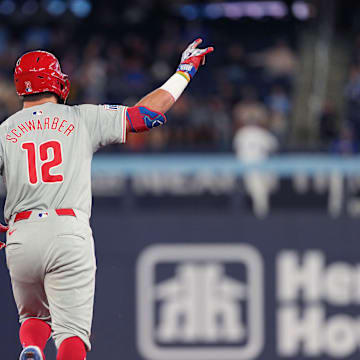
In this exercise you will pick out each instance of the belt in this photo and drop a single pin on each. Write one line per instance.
(24, 215)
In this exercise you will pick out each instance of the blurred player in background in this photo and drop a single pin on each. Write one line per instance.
(45, 157)
(253, 144)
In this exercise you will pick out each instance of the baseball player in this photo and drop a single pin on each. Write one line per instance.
(45, 158)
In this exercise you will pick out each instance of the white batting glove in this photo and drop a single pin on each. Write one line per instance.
(192, 58)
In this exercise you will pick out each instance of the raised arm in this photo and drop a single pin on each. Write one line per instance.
(149, 111)
(159, 100)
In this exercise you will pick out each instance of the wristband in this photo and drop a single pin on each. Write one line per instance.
(188, 68)
(176, 84)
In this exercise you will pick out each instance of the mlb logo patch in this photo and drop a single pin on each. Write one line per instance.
(39, 112)
(112, 107)
(200, 302)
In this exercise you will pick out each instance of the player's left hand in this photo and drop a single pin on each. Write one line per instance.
(193, 57)
(3, 228)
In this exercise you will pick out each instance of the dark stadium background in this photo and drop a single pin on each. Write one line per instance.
(289, 67)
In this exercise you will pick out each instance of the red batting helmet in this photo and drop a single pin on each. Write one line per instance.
(39, 71)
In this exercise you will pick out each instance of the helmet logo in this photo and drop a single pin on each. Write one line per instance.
(28, 87)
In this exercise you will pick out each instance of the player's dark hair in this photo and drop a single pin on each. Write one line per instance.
(44, 95)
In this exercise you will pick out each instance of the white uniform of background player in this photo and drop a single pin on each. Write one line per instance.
(45, 158)
(253, 145)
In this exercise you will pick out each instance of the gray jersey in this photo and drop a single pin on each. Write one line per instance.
(46, 153)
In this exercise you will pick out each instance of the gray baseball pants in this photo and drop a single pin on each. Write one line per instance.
(52, 266)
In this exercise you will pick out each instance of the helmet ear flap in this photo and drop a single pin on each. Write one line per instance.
(66, 88)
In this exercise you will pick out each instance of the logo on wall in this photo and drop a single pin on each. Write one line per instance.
(200, 302)
(318, 305)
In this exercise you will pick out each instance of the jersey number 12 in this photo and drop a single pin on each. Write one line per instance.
(47, 164)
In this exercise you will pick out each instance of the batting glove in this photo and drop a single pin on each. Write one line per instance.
(192, 58)
(3, 228)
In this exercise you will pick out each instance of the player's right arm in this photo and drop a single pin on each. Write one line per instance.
(110, 123)
(149, 111)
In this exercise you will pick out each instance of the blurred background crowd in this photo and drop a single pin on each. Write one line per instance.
(261, 73)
